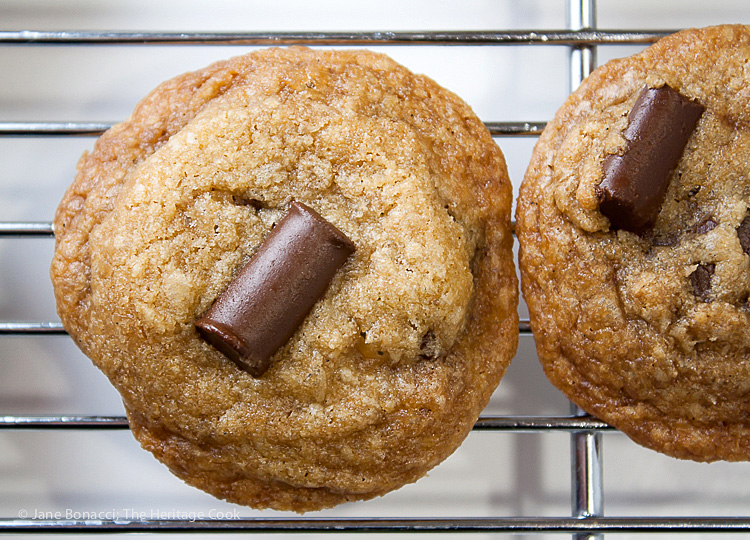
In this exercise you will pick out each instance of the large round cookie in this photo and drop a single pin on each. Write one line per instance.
(387, 374)
(649, 330)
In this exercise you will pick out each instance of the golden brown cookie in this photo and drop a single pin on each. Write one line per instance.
(387, 374)
(639, 301)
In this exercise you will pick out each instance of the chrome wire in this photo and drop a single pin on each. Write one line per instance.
(56, 328)
(521, 37)
(587, 495)
(63, 422)
(26, 228)
(31, 328)
(94, 129)
(512, 525)
(46, 129)
(517, 424)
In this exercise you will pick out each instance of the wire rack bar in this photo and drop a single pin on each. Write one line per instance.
(528, 424)
(31, 328)
(587, 493)
(525, 37)
(388, 525)
(46, 228)
(27, 228)
(56, 328)
(63, 422)
(94, 129)
(45, 129)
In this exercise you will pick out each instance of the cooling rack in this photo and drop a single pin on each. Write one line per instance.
(583, 40)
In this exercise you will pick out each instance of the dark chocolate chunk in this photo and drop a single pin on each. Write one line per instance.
(672, 237)
(743, 233)
(705, 225)
(241, 200)
(273, 293)
(665, 240)
(700, 280)
(429, 348)
(635, 183)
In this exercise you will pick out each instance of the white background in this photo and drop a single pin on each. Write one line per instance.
(492, 474)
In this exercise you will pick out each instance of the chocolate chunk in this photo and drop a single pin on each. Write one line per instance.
(705, 225)
(635, 183)
(273, 293)
(743, 233)
(672, 237)
(700, 280)
(240, 200)
(429, 347)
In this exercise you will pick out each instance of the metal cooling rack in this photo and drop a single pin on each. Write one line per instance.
(586, 519)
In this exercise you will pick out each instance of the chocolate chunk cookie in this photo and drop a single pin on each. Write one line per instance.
(633, 221)
(404, 341)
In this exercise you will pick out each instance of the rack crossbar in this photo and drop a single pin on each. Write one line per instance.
(392, 525)
(519, 37)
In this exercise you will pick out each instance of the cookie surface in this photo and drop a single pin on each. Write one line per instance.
(651, 331)
(388, 373)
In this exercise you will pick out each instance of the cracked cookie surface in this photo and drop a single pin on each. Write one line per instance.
(649, 332)
(390, 370)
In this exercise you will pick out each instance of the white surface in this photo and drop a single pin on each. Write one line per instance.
(492, 474)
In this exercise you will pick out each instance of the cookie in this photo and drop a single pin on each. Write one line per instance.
(388, 371)
(633, 227)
